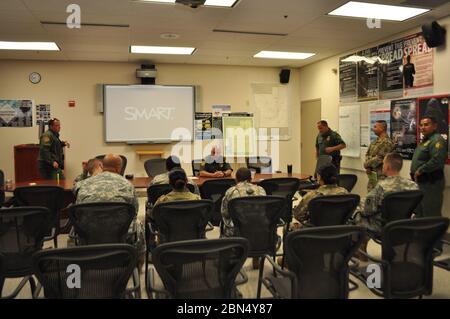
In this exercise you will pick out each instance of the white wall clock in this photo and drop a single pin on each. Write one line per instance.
(35, 77)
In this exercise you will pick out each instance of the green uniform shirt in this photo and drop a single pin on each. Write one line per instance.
(430, 155)
(329, 139)
(51, 149)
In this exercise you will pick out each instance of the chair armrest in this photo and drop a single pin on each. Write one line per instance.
(152, 231)
(37, 292)
(285, 273)
(209, 227)
(53, 234)
(281, 223)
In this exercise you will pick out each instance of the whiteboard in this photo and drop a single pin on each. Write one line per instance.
(350, 130)
(148, 113)
(239, 136)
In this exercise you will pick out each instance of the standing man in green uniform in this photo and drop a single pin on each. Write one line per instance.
(329, 142)
(427, 168)
(375, 154)
(51, 157)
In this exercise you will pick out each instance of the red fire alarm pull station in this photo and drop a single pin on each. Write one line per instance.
(71, 103)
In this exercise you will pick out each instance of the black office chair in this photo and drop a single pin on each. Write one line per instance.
(176, 221)
(407, 253)
(2, 187)
(331, 210)
(196, 166)
(101, 223)
(204, 269)
(155, 166)
(444, 263)
(124, 162)
(396, 206)
(22, 232)
(51, 197)
(215, 190)
(347, 181)
(261, 164)
(104, 271)
(285, 187)
(256, 218)
(317, 259)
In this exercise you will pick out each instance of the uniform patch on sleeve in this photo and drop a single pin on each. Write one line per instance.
(438, 145)
(46, 139)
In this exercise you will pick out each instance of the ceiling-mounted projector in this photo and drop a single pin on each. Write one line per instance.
(191, 3)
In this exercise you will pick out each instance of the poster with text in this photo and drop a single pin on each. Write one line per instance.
(347, 80)
(404, 127)
(203, 125)
(390, 76)
(417, 66)
(436, 107)
(16, 113)
(368, 75)
(42, 114)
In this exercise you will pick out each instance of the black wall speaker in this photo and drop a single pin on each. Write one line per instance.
(284, 76)
(434, 34)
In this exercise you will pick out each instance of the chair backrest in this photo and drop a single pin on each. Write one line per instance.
(285, 187)
(408, 247)
(51, 197)
(322, 160)
(205, 268)
(215, 190)
(104, 269)
(332, 210)
(256, 218)
(22, 232)
(2, 185)
(319, 258)
(124, 162)
(196, 166)
(156, 191)
(261, 164)
(101, 223)
(182, 220)
(400, 205)
(347, 181)
(155, 166)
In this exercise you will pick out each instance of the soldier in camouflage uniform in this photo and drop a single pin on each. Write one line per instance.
(327, 177)
(172, 162)
(51, 157)
(371, 206)
(427, 168)
(243, 188)
(376, 153)
(178, 180)
(329, 142)
(110, 186)
(90, 168)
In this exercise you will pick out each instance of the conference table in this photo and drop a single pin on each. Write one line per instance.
(144, 182)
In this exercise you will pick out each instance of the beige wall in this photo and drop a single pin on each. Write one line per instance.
(318, 81)
(83, 125)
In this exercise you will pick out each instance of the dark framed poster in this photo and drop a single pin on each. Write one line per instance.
(203, 126)
(404, 126)
(368, 75)
(347, 80)
(436, 107)
(390, 76)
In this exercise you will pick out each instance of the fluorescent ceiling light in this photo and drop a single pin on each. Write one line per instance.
(161, 50)
(35, 46)
(377, 11)
(165, 1)
(283, 55)
(220, 3)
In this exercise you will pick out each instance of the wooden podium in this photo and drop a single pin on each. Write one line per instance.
(26, 162)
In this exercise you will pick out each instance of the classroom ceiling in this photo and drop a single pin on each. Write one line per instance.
(293, 25)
